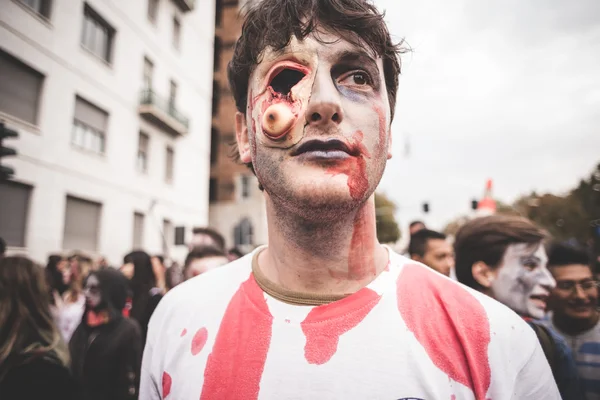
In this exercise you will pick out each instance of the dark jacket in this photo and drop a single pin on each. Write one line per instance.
(42, 377)
(106, 359)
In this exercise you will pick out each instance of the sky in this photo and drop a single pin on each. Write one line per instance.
(507, 90)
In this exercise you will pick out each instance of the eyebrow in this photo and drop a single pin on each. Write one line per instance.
(356, 55)
(531, 258)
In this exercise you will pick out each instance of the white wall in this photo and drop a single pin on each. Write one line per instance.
(49, 163)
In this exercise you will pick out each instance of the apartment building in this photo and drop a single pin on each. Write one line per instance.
(237, 206)
(112, 102)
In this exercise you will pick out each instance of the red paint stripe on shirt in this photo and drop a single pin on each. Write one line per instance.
(324, 325)
(450, 324)
(235, 366)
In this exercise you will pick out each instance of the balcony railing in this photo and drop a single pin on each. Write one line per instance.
(185, 5)
(163, 113)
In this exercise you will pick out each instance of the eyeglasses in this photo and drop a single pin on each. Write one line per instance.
(571, 285)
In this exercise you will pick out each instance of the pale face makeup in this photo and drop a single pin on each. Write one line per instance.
(317, 122)
(202, 265)
(523, 281)
(92, 293)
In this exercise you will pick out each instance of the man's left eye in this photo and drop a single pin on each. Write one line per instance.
(356, 78)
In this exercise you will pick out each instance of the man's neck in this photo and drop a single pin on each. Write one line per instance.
(323, 257)
(572, 326)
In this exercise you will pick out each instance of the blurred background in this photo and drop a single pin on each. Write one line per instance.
(117, 121)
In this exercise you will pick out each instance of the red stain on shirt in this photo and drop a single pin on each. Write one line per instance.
(355, 168)
(166, 384)
(236, 364)
(183, 332)
(199, 341)
(457, 342)
(324, 325)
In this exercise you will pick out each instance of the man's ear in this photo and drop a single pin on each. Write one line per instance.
(483, 274)
(241, 136)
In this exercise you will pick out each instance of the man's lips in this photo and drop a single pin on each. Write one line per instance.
(540, 300)
(326, 146)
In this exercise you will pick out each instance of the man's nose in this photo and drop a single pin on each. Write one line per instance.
(579, 293)
(324, 106)
(547, 280)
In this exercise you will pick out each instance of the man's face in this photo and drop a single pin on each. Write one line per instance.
(576, 293)
(439, 256)
(199, 266)
(92, 293)
(522, 281)
(317, 124)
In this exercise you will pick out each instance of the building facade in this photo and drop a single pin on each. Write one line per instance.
(237, 206)
(112, 102)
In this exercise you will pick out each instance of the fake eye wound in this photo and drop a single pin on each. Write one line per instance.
(281, 103)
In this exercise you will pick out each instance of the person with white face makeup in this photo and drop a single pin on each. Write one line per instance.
(504, 257)
(324, 311)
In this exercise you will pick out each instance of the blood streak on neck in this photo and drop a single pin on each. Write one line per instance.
(324, 325)
(361, 256)
(235, 366)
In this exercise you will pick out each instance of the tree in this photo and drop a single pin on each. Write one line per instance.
(566, 217)
(387, 227)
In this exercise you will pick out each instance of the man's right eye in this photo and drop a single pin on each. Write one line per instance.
(285, 80)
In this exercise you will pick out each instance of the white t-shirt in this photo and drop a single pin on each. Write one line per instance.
(410, 334)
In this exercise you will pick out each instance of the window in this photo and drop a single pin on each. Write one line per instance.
(41, 7)
(214, 145)
(97, 35)
(217, 55)
(142, 154)
(176, 33)
(14, 198)
(216, 98)
(138, 231)
(212, 190)
(243, 233)
(245, 186)
(167, 235)
(172, 95)
(152, 10)
(82, 224)
(170, 160)
(148, 73)
(89, 127)
(20, 89)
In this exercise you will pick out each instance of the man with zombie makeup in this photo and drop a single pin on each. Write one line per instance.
(574, 313)
(106, 347)
(504, 257)
(325, 311)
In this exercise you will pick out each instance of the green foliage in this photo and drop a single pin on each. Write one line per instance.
(566, 217)
(387, 227)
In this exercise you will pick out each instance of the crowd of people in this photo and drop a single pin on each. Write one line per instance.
(76, 329)
(324, 311)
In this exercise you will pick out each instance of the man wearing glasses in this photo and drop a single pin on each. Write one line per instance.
(574, 302)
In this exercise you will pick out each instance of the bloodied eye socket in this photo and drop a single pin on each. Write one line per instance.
(284, 81)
